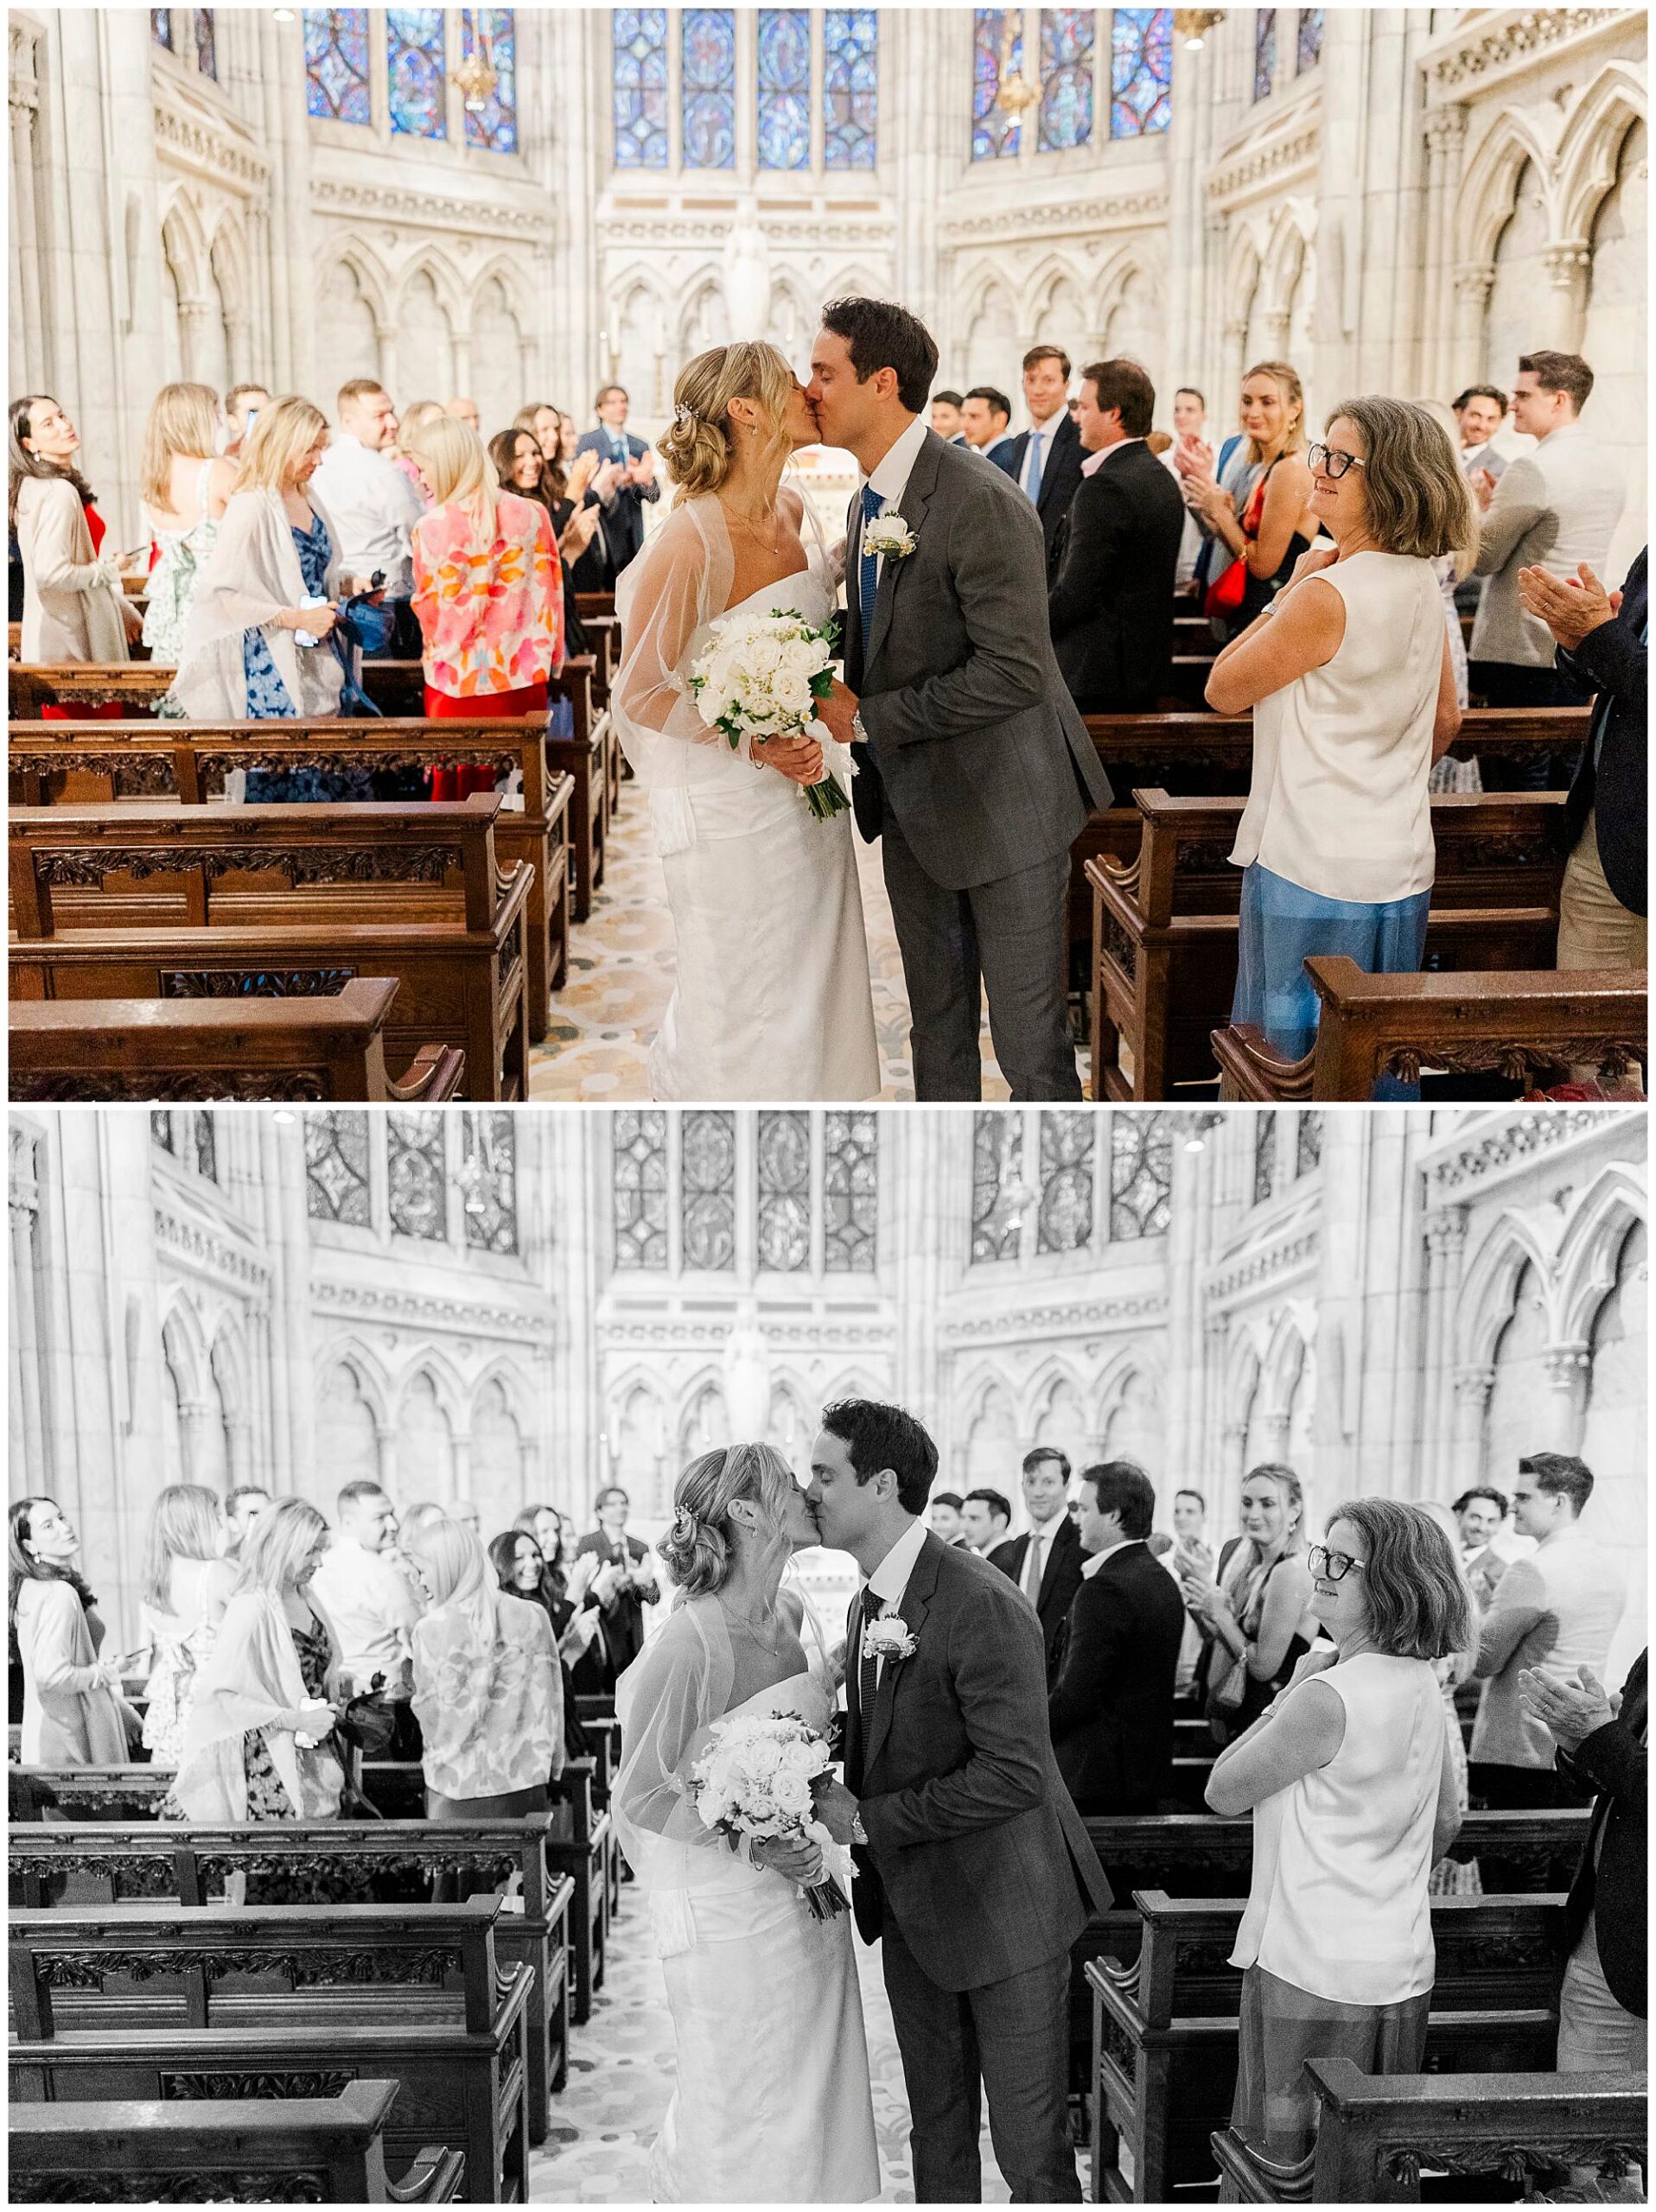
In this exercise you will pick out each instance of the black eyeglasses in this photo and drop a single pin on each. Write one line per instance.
(1335, 1566)
(1332, 461)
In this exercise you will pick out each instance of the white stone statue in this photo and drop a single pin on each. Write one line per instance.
(747, 278)
(747, 1375)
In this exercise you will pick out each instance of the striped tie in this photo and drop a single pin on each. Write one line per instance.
(868, 572)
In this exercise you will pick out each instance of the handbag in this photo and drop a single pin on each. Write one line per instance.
(1225, 595)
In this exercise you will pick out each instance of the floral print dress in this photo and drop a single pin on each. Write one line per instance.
(491, 616)
(174, 576)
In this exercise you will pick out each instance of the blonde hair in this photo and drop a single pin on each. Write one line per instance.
(275, 1550)
(185, 1524)
(700, 447)
(418, 413)
(457, 473)
(699, 1549)
(451, 1559)
(1415, 438)
(183, 420)
(1286, 379)
(279, 441)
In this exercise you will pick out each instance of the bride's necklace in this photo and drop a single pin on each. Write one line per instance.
(771, 543)
(742, 1621)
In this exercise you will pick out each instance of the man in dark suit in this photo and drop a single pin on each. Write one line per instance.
(1046, 459)
(1602, 639)
(977, 1875)
(985, 419)
(1111, 1707)
(623, 1612)
(1602, 2007)
(1116, 556)
(623, 525)
(1046, 1561)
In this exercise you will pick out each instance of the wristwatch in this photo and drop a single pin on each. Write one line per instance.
(859, 731)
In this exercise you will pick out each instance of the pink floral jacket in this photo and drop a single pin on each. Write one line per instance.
(491, 619)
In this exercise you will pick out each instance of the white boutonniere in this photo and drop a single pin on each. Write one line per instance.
(889, 537)
(890, 1639)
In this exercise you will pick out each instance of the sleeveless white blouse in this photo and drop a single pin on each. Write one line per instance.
(1341, 756)
(1340, 1904)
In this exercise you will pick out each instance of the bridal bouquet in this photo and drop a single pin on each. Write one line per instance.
(761, 676)
(758, 1777)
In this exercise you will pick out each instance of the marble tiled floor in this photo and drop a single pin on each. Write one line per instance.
(621, 970)
(621, 2079)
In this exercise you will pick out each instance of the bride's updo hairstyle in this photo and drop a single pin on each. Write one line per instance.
(699, 1548)
(700, 446)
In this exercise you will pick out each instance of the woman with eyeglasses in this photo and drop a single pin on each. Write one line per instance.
(1352, 684)
(1255, 1616)
(1350, 1780)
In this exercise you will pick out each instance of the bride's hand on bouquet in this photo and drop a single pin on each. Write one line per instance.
(836, 1807)
(795, 1858)
(798, 759)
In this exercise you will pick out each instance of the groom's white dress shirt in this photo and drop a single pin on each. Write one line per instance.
(883, 1591)
(891, 477)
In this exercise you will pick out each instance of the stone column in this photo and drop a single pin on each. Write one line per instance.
(195, 317)
(1474, 282)
(1445, 148)
(1445, 1242)
(1472, 1389)
(194, 1414)
(24, 1428)
(27, 350)
(1568, 263)
(1568, 1368)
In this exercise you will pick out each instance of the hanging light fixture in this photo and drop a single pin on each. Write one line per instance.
(285, 14)
(1017, 94)
(1192, 25)
(476, 76)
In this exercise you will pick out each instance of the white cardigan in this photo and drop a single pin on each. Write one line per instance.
(72, 598)
(251, 574)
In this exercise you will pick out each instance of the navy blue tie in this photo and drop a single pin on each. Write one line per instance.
(867, 573)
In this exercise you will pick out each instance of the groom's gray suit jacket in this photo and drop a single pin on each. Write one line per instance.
(973, 738)
(973, 1840)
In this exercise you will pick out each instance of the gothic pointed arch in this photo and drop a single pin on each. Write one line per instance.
(1488, 192)
(1489, 1291)
(1590, 1252)
(1589, 152)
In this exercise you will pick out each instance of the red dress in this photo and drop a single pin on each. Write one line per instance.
(461, 780)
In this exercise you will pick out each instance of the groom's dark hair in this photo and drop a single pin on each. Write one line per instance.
(876, 1436)
(881, 335)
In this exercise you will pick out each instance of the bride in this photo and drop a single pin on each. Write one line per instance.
(771, 998)
(772, 2101)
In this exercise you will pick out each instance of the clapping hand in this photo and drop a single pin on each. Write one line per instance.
(579, 531)
(1571, 1711)
(1570, 609)
(610, 474)
(607, 1581)
(582, 469)
(1483, 488)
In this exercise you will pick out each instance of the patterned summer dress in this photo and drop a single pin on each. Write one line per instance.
(268, 699)
(174, 576)
(171, 1687)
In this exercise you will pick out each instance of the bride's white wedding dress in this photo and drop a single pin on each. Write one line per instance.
(772, 2101)
(771, 999)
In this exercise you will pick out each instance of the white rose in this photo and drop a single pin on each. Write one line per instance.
(763, 657)
(791, 1792)
(791, 692)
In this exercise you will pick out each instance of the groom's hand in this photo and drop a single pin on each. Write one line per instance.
(835, 1809)
(837, 710)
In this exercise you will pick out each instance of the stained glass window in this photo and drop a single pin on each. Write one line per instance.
(161, 27)
(994, 133)
(850, 1194)
(415, 72)
(639, 52)
(639, 1179)
(161, 1127)
(336, 65)
(204, 1146)
(414, 1175)
(784, 88)
(1264, 1157)
(1309, 49)
(783, 1192)
(1064, 1222)
(492, 33)
(1141, 1175)
(1308, 1142)
(1141, 70)
(488, 1176)
(707, 1203)
(206, 44)
(1067, 39)
(336, 1169)
(997, 1158)
(851, 87)
(1264, 51)
(708, 66)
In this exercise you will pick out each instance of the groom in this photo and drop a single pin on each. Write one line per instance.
(977, 1875)
(975, 769)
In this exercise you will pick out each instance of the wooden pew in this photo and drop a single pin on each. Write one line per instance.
(1164, 926)
(86, 763)
(245, 2151)
(1202, 755)
(1526, 1027)
(314, 1049)
(141, 901)
(579, 1845)
(51, 1865)
(1376, 2135)
(159, 2001)
(1165, 2035)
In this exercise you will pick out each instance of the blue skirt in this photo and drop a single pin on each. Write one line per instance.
(1282, 924)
